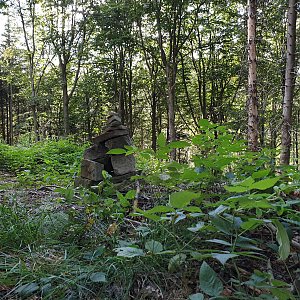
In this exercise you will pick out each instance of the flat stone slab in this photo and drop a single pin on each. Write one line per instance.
(91, 170)
(118, 142)
(110, 135)
(95, 152)
(123, 164)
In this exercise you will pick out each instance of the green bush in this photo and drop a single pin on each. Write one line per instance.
(50, 162)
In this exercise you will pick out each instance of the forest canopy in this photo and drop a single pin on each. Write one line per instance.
(162, 65)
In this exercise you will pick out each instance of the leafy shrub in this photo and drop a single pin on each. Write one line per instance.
(51, 162)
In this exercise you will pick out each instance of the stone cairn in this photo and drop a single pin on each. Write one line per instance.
(96, 159)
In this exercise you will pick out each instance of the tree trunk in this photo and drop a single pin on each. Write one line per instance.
(171, 79)
(153, 120)
(252, 87)
(2, 118)
(289, 85)
(64, 85)
(10, 109)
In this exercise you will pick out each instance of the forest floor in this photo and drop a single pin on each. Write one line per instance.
(63, 256)
(28, 202)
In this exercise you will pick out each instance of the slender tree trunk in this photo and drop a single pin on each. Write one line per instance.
(289, 85)
(10, 109)
(121, 87)
(171, 81)
(2, 118)
(153, 120)
(252, 87)
(88, 117)
(64, 85)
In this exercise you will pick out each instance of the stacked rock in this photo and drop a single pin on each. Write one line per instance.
(96, 159)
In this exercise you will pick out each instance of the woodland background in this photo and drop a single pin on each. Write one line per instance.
(65, 64)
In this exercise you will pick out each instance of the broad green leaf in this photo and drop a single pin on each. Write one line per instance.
(98, 277)
(27, 289)
(178, 144)
(220, 209)
(246, 243)
(223, 257)
(160, 209)
(205, 124)
(283, 240)
(236, 189)
(198, 296)
(162, 153)
(218, 241)
(264, 184)
(210, 283)
(117, 151)
(251, 224)
(130, 194)
(197, 227)
(282, 294)
(176, 261)
(192, 209)
(181, 199)
(161, 140)
(260, 174)
(223, 224)
(247, 182)
(129, 252)
(154, 246)
(250, 203)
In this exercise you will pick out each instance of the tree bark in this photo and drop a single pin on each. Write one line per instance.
(252, 86)
(289, 85)
(65, 95)
(10, 116)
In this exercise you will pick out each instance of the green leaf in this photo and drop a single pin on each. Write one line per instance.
(251, 224)
(161, 140)
(283, 240)
(130, 194)
(27, 289)
(247, 182)
(178, 144)
(251, 203)
(223, 257)
(181, 199)
(129, 252)
(260, 174)
(198, 296)
(210, 283)
(282, 294)
(192, 209)
(218, 241)
(160, 209)
(197, 227)
(117, 151)
(236, 189)
(176, 261)
(205, 124)
(154, 246)
(264, 184)
(98, 277)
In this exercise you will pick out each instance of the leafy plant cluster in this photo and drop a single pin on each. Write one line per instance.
(50, 162)
(225, 222)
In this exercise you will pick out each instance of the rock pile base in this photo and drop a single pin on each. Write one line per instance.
(95, 159)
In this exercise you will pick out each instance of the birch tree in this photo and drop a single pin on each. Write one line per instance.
(252, 74)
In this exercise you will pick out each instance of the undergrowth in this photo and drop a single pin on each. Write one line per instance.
(46, 162)
(222, 225)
